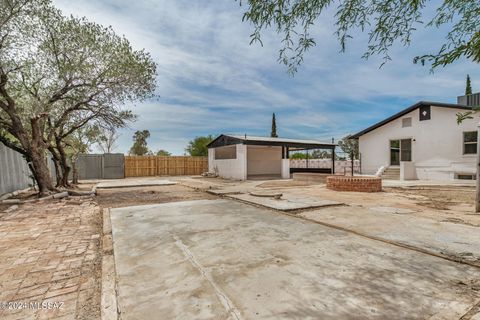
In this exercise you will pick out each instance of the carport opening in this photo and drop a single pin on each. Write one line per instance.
(309, 161)
(261, 157)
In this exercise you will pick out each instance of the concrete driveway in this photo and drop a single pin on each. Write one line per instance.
(221, 259)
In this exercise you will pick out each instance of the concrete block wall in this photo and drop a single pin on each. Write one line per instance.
(14, 171)
(229, 168)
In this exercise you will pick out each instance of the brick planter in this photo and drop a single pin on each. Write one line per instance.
(358, 184)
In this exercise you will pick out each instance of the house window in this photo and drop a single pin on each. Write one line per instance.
(406, 122)
(470, 142)
(466, 176)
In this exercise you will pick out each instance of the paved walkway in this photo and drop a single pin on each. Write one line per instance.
(49, 261)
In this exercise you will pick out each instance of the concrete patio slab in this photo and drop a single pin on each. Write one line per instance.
(128, 183)
(288, 202)
(223, 192)
(441, 237)
(427, 183)
(221, 259)
(383, 209)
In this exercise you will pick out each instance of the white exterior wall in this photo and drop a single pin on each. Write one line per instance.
(437, 144)
(229, 168)
(285, 168)
(264, 160)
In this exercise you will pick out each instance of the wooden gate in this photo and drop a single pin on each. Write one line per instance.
(143, 166)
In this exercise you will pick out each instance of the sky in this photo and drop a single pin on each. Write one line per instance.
(212, 81)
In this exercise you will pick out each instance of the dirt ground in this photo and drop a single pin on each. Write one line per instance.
(439, 197)
(436, 203)
(124, 197)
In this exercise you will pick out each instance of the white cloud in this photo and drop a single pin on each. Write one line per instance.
(211, 80)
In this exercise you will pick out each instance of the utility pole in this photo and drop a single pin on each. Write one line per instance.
(477, 191)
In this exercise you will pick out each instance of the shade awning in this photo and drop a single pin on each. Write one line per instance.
(298, 144)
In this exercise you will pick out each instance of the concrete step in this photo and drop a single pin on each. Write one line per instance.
(391, 174)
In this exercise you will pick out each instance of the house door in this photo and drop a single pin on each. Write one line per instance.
(394, 152)
(400, 150)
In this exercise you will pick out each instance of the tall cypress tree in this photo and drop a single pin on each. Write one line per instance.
(468, 88)
(273, 134)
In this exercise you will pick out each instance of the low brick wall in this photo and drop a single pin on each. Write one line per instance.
(358, 184)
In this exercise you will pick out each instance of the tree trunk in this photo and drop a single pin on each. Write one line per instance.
(36, 153)
(42, 174)
(56, 162)
(63, 163)
(33, 145)
(74, 173)
(58, 171)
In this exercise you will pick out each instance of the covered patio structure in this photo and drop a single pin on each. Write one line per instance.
(243, 157)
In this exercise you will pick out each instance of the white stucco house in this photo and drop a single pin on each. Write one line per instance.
(243, 157)
(423, 142)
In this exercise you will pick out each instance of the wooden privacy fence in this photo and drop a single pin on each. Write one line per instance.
(143, 166)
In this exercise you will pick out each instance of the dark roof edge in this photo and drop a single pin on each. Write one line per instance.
(225, 139)
(220, 136)
(407, 110)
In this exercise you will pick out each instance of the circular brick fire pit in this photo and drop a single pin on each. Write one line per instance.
(359, 184)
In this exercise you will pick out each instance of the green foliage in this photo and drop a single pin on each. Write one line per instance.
(320, 154)
(61, 74)
(163, 153)
(298, 155)
(386, 21)
(198, 146)
(273, 133)
(312, 154)
(462, 116)
(140, 147)
(349, 145)
(80, 141)
(468, 86)
(106, 138)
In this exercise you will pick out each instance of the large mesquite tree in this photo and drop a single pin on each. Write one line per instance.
(59, 74)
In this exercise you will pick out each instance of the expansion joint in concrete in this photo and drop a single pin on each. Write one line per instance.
(222, 296)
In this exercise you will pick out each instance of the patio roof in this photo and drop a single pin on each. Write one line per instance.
(228, 139)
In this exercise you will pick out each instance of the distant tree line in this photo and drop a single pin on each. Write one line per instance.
(195, 147)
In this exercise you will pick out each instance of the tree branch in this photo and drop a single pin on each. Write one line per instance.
(9, 144)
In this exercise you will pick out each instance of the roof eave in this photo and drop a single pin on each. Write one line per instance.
(407, 110)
